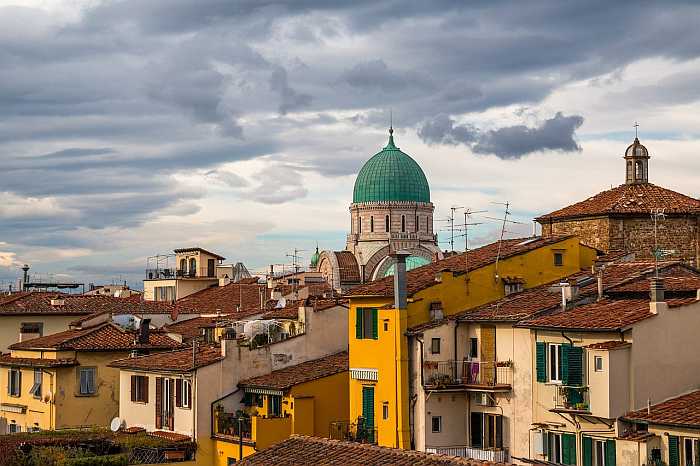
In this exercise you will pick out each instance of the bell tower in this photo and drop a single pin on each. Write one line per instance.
(636, 162)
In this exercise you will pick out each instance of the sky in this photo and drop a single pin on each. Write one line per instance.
(129, 128)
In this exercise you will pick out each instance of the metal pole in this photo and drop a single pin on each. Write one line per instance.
(240, 438)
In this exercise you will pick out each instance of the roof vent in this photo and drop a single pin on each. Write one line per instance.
(58, 302)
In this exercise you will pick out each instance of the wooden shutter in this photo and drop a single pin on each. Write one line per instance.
(610, 455)
(572, 369)
(587, 451)
(564, 363)
(375, 324)
(134, 381)
(368, 406)
(171, 418)
(189, 394)
(178, 393)
(159, 402)
(568, 448)
(9, 381)
(674, 458)
(145, 388)
(541, 359)
(19, 382)
(358, 323)
(488, 354)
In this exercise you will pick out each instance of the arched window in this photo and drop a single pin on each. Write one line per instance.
(386, 223)
(183, 265)
(371, 224)
(416, 227)
(639, 170)
(193, 267)
(359, 225)
(403, 224)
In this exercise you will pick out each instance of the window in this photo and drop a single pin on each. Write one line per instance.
(164, 293)
(274, 405)
(193, 267)
(386, 326)
(32, 327)
(486, 430)
(639, 170)
(598, 452)
(403, 224)
(366, 323)
(385, 410)
(555, 452)
(139, 389)
(473, 347)
(86, 380)
(437, 424)
(558, 259)
(599, 457)
(371, 224)
(36, 387)
(417, 225)
(13, 428)
(598, 363)
(435, 346)
(183, 393)
(183, 266)
(14, 382)
(386, 223)
(554, 362)
(691, 452)
(359, 224)
(511, 288)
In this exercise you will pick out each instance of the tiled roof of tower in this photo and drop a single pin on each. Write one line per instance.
(227, 299)
(286, 378)
(300, 449)
(104, 337)
(349, 271)
(172, 361)
(627, 199)
(423, 277)
(682, 411)
(198, 249)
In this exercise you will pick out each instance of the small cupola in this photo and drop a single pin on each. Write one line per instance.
(637, 163)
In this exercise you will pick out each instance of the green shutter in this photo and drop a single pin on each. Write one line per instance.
(568, 448)
(673, 451)
(564, 362)
(358, 323)
(541, 359)
(587, 451)
(610, 453)
(375, 332)
(574, 361)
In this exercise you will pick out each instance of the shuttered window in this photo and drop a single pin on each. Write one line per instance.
(87, 383)
(541, 360)
(159, 403)
(366, 323)
(139, 389)
(572, 367)
(14, 382)
(587, 451)
(674, 457)
(568, 447)
(610, 454)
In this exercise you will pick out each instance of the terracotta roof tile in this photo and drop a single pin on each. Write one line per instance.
(227, 299)
(171, 436)
(175, 361)
(104, 337)
(197, 249)
(682, 410)
(609, 345)
(192, 328)
(349, 270)
(286, 378)
(638, 436)
(423, 277)
(291, 308)
(7, 360)
(639, 199)
(299, 449)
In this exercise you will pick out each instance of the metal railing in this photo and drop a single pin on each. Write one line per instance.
(160, 273)
(478, 373)
(496, 455)
(171, 272)
(572, 398)
(228, 424)
(353, 432)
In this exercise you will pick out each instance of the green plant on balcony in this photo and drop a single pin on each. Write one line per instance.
(439, 380)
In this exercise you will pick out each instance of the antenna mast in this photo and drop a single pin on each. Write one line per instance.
(656, 215)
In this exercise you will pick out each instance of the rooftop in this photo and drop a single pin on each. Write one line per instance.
(628, 199)
(192, 328)
(7, 360)
(172, 361)
(299, 449)
(103, 337)
(288, 377)
(423, 277)
(241, 299)
(681, 411)
(197, 249)
(609, 345)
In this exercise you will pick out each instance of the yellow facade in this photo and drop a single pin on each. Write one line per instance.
(381, 364)
(60, 405)
(307, 408)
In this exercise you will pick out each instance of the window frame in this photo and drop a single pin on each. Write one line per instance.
(14, 428)
(558, 258)
(554, 353)
(433, 425)
(435, 344)
(38, 325)
(141, 384)
(596, 461)
(555, 443)
(385, 410)
(14, 383)
(186, 394)
(35, 390)
(596, 368)
(473, 347)
(86, 369)
(694, 450)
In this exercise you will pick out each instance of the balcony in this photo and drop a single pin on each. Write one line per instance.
(353, 432)
(571, 399)
(227, 426)
(160, 273)
(468, 375)
(171, 272)
(260, 431)
(495, 455)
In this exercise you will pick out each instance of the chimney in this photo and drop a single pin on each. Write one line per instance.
(25, 277)
(656, 292)
(400, 280)
(144, 329)
(600, 283)
(270, 277)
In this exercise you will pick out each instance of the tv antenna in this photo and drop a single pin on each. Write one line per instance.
(504, 221)
(295, 263)
(658, 215)
(451, 228)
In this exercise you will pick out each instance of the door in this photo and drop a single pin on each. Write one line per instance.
(368, 413)
(488, 354)
(210, 268)
(476, 430)
(167, 404)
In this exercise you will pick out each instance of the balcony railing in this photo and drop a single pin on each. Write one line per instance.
(228, 425)
(470, 374)
(572, 398)
(171, 272)
(353, 432)
(495, 455)
(160, 273)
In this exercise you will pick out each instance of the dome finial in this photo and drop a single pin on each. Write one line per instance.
(636, 126)
(391, 144)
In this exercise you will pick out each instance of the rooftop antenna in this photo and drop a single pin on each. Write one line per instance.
(466, 225)
(295, 263)
(656, 215)
(504, 220)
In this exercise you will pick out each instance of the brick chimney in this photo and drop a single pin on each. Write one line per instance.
(144, 330)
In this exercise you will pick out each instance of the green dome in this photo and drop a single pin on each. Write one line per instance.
(412, 262)
(391, 175)
(315, 257)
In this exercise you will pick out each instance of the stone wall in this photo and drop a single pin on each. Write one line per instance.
(636, 235)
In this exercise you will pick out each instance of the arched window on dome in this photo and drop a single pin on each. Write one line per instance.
(403, 224)
(371, 224)
(386, 223)
(639, 170)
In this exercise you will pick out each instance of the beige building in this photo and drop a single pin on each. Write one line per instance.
(189, 270)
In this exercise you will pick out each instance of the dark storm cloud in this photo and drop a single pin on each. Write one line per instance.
(100, 113)
(511, 142)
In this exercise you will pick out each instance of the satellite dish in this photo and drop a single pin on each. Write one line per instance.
(116, 424)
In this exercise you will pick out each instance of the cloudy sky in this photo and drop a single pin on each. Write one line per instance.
(131, 127)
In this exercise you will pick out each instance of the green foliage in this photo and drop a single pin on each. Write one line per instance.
(107, 460)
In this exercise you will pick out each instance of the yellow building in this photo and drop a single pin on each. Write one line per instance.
(380, 397)
(309, 399)
(194, 269)
(63, 380)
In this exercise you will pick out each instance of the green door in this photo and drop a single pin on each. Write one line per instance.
(368, 413)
